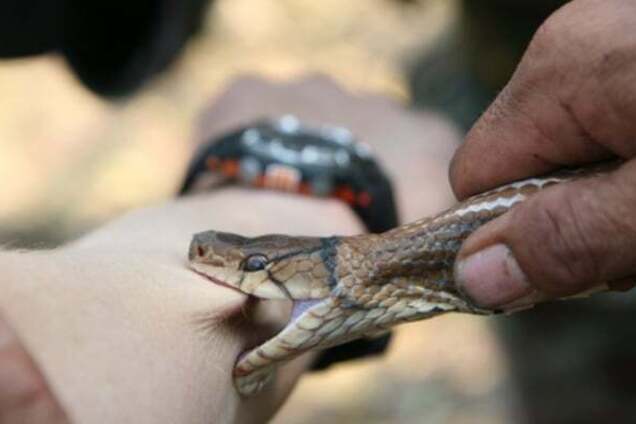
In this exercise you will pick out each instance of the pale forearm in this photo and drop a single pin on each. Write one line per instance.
(116, 335)
(122, 329)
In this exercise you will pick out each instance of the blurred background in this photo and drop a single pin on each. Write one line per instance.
(71, 159)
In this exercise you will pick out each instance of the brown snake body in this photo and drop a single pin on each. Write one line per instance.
(349, 287)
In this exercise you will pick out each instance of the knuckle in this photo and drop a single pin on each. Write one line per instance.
(581, 64)
(555, 31)
(615, 77)
(577, 34)
(578, 235)
(571, 246)
(547, 35)
(562, 257)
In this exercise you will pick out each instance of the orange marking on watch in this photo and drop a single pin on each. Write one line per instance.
(364, 199)
(259, 181)
(212, 162)
(304, 188)
(346, 194)
(230, 168)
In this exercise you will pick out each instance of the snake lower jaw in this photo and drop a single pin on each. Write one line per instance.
(322, 323)
(314, 324)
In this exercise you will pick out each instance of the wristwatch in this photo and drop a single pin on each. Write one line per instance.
(284, 155)
(325, 161)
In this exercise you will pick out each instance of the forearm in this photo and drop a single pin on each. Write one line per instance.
(124, 348)
(118, 323)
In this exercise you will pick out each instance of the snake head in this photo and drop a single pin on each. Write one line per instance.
(301, 269)
(268, 267)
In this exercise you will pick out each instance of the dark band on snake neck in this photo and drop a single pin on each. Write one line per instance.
(328, 254)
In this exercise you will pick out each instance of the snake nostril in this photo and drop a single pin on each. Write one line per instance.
(197, 250)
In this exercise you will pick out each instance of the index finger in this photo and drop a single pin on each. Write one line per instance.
(568, 103)
(520, 135)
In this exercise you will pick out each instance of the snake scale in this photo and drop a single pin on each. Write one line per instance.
(345, 288)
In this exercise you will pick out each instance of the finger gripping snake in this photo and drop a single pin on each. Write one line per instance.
(345, 288)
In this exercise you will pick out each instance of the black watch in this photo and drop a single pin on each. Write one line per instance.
(284, 155)
(327, 162)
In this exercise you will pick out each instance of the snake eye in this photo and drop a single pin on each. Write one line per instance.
(255, 263)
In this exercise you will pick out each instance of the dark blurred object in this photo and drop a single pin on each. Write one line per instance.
(356, 349)
(572, 363)
(29, 27)
(114, 47)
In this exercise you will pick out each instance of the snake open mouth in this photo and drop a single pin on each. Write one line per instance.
(300, 306)
(297, 308)
(277, 327)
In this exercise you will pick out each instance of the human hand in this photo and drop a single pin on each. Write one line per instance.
(570, 102)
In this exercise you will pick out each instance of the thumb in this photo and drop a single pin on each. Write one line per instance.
(568, 239)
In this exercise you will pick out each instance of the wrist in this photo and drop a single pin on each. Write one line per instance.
(270, 211)
(168, 227)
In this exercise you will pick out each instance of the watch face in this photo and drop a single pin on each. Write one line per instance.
(286, 142)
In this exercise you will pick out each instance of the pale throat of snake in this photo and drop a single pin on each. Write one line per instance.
(343, 288)
(297, 269)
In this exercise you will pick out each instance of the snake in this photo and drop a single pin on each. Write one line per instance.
(347, 287)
